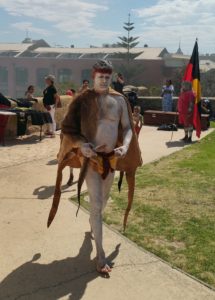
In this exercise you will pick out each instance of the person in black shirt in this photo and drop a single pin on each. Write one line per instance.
(50, 99)
(118, 83)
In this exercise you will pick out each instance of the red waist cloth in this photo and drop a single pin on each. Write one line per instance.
(137, 129)
(185, 102)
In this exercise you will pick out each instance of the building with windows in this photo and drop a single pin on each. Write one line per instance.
(29, 62)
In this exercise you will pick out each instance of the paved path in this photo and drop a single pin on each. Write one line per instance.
(37, 263)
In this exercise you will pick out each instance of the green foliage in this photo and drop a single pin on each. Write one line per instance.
(154, 91)
(212, 124)
(64, 86)
(131, 73)
(128, 42)
(208, 83)
(177, 79)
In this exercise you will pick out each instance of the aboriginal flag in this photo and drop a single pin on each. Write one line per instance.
(192, 74)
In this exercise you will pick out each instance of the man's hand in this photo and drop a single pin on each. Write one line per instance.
(87, 150)
(121, 151)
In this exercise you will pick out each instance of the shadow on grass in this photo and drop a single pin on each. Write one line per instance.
(174, 144)
(60, 278)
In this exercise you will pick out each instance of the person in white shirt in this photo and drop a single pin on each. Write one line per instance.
(167, 96)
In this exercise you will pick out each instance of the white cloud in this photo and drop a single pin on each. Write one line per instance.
(24, 26)
(74, 17)
(165, 22)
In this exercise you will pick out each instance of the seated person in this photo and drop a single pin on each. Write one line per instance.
(29, 94)
(4, 101)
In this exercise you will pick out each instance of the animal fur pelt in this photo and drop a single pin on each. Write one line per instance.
(80, 125)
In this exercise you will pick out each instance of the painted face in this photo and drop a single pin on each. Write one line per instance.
(102, 82)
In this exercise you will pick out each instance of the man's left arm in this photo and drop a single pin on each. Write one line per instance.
(127, 131)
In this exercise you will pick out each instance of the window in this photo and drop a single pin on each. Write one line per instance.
(41, 74)
(64, 75)
(21, 75)
(3, 75)
(48, 55)
(70, 55)
(20, 93)
(4, 80)
(86, 74)
(94, 55)
(8, 53)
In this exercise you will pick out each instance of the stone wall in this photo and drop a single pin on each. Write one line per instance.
(155, 103)
(146, 103)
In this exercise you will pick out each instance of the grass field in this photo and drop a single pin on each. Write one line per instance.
(173, 214)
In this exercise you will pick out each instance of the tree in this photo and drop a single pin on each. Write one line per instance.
(177, 78)
(128, 42)
(208, 83)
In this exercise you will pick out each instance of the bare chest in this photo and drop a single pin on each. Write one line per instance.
(109, 108)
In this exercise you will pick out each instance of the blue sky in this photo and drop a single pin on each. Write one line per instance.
(158, 23)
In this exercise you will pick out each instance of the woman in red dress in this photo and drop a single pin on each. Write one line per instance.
(186, 103)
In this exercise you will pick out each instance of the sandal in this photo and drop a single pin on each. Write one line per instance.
(105, 270)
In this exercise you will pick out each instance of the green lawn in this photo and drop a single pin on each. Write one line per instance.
(212, 124)
(173, 214)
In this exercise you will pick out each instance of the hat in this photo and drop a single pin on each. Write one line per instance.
(50, 77)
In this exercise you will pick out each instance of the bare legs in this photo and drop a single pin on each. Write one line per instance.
(98, 190)
(188, 134)
(71, 177)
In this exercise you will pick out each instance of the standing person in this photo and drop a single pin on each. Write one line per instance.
(70, 92)
(186, 103)
(92, 125)
(137, 119)
(167, 94)
(50, 100)
(118, 83)
(85, 86)
(29, 94)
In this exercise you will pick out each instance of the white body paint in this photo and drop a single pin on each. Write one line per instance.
(112, 110)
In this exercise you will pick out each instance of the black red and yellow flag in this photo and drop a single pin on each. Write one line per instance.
(192, 74)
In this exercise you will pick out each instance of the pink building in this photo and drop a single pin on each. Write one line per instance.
(28, 63)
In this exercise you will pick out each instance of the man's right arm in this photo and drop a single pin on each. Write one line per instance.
(71, 125)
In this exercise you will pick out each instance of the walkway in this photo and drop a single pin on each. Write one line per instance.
(58, 263)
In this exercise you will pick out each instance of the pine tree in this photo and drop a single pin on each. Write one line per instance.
(128, 42)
